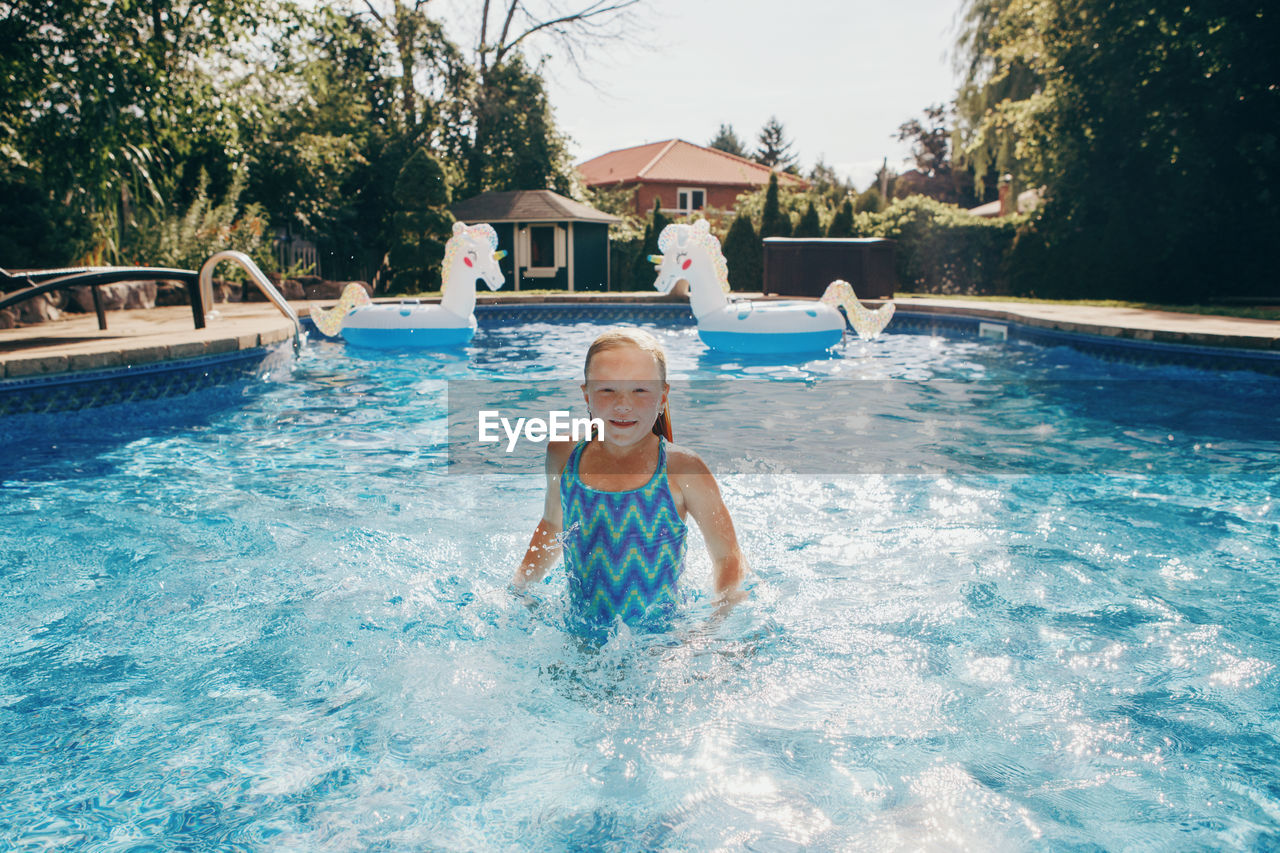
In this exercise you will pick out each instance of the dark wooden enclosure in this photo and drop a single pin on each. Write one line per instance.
(804, 267)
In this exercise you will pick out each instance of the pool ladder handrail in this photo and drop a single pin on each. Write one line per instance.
(256, 275)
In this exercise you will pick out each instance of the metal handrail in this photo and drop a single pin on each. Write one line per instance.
(256, 275)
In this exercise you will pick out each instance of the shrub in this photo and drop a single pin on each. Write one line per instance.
(642, 274)
(186, 241)
(809, 225)
(842, 223)
(774, 221)
(942, 248)
(744, 255)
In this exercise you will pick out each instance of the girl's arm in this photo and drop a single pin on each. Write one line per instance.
(544, 547)
(702, 500)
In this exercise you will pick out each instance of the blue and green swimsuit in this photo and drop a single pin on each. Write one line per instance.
(624, 551)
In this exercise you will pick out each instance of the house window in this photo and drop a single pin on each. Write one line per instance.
(688, 200)
(542, 246)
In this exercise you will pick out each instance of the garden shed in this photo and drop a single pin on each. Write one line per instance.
(552, 242)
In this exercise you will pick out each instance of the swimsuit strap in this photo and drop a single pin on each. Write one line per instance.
(572, 476)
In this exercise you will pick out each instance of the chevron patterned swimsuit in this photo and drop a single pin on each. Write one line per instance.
(624, 551)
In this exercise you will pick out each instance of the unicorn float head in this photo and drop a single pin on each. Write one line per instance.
(471, 255)
(692, 253)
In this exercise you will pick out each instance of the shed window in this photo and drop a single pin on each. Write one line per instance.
(542, 246)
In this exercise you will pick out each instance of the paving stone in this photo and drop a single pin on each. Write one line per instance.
(35, 366)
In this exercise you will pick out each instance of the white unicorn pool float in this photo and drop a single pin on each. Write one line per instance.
(470, 255)
(692, 253)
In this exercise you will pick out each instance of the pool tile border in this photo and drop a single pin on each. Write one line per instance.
(84, 389)
(141, 372)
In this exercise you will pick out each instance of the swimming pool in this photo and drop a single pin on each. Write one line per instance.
(1033, 604)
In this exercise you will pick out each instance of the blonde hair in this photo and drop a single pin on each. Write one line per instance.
(644, 342)
(637, 338)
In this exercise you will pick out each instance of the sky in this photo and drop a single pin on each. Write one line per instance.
(840, 76)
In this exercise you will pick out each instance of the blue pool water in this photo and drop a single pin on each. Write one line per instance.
(1029, 600)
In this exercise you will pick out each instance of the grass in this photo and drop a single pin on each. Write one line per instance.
(1255, 312)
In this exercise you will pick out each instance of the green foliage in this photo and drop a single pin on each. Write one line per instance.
(35, 231)
(744, 255)
(186, 240)
(727, 140)
(829, 185)
(1153, 128)
(515, 145)
(941, 248)
(842, 222)
(642, 272)
(774, 222)
(114, 105)
(809, 226)
(422, 224)
(870, 201)
(774, 148)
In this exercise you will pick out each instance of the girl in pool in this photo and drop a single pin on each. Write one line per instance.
(616, 505)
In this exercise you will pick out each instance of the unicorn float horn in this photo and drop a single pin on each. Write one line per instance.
(867, 322)
(330, 322)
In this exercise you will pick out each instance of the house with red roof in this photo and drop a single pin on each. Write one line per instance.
(685, 177)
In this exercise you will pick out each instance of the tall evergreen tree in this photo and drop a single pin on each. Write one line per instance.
(727, 140)
(775, 148)
(842, 224)
(422, 224)
(643, 275)
(774, 221)
(744, 256)
(809, 225)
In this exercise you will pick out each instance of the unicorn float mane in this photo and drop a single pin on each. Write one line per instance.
(698, 234)
(461, 231)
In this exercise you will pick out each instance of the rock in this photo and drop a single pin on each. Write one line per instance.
(172, 293)
(8, 319)
(121, 295)
(41, 309)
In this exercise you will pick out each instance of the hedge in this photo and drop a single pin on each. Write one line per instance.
(942, 248)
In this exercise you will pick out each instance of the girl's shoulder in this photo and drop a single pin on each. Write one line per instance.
(558, 453)
(682, 460)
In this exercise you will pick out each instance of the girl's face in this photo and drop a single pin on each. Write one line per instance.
(624, 388)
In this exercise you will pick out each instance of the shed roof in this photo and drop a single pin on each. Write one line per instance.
(526, 206)
(678, 161)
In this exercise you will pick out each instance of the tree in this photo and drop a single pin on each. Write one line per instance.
(842, 223)
(422, 222)
(999, 53)
(825, 181)
(727, 140)
(507, 97)
(870, 201)
(809, 225)
(744, 256)
(930, 141)
(516, 145)
(643, 275)
(775, 149)
(774, 222)
(110, 109)
(1153, 131)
